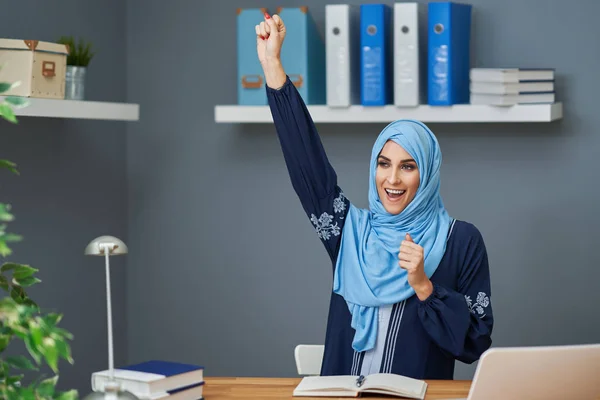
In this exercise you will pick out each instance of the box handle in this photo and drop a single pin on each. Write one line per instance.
(252, 84)
(48, 68)
(297, 80)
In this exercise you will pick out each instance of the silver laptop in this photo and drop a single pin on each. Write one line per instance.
(542, 372)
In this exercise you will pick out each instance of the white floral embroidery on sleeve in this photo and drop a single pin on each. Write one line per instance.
(478, 308)
(338, 204)
(324, 226)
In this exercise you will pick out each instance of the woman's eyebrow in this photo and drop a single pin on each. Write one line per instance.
(404, 161)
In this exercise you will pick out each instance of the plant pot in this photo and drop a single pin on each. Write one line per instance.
(75, 83)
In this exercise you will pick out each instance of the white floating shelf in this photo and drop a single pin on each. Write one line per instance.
(55, 108)
(385, 114)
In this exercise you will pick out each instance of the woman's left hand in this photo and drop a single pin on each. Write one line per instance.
(412, 260)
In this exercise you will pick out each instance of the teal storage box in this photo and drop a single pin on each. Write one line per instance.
(303, 54)
(250, 77)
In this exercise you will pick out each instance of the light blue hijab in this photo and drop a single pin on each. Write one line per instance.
(367, 274)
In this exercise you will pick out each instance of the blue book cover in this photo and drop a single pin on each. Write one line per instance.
(449, 58)
(375, 55)
(164, 368)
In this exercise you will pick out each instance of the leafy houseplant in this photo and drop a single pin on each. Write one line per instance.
(80, 55)
(20, 317)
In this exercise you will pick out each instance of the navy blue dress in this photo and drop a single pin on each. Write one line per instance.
(419, 339)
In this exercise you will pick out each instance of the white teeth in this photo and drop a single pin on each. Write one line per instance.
(391, 191)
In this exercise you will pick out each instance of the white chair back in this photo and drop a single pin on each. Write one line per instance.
(309, 358)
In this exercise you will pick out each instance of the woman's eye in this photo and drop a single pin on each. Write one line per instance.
(382, 164)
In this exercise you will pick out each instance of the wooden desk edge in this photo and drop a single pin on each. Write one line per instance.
(436, 389)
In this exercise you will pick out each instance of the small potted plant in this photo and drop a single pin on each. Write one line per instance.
(80, 55)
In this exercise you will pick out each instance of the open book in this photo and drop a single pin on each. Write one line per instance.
(353, 386)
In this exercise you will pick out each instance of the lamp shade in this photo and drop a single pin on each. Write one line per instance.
(96, 246)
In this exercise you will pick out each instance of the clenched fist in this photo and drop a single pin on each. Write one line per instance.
(270, 34)
(412, 259)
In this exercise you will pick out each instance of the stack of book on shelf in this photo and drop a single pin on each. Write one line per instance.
(509, 86)
(156, 380)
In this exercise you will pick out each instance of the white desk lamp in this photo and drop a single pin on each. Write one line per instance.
(108, 246)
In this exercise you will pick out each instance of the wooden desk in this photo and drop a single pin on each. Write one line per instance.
(282, 388)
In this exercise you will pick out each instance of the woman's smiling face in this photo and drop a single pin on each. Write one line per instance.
(397, 178)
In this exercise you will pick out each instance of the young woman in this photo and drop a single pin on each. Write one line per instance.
(411, 285)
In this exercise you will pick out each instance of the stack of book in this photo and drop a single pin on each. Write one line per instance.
(509, 86)
(156, 379)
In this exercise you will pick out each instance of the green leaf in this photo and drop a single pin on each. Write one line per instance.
(4, 341)
(5, 215)
(63, 333)
(7, 113)
(51, 355)
(5, 86)
(4, 283)
(9, 266)
(20, 332)
(15, 294)
(11, 237)
(69, 395)
(30, 303)
(23, 271)
(15, 84)
(8, 306)
(9, 165)
(47, 387)
(17, 101)
(13, 393)
(5, 369)
(64, 350)
(18, 294)
(20, 362)
(27, 394)
(80, 53)
(12, 380)
(36, 334)
(26, 282)
(33, 349)
(5, 251)
(52, 319)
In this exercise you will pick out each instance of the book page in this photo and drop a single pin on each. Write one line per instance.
(130, 375)
(332, 384)
(395, 384)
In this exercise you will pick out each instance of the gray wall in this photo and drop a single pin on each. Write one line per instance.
(225, 268)
(72, 186)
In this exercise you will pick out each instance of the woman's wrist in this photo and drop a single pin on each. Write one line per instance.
(274, 73)
(425, 290)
